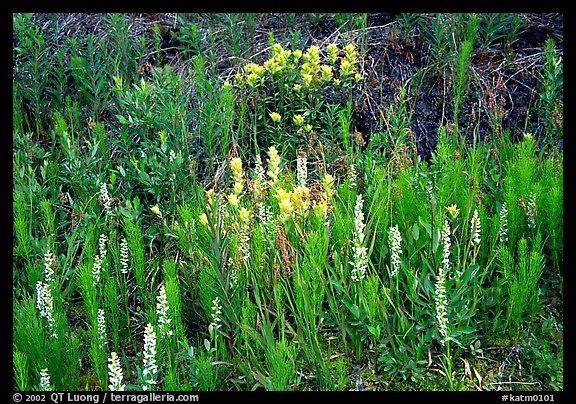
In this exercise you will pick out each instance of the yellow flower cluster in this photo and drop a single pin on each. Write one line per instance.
(254, 74)
(275, 116)
(296, 201)
(237, 174)
(348, 63)
(273, 165)
(311, 71)
(279, 60)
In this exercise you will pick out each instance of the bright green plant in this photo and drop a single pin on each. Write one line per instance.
(523, 272)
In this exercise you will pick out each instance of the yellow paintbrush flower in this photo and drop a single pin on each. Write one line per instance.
(203, 219)
(156, 210)
(453, 210)
(275, 116)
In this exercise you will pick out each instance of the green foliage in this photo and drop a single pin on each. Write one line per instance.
(523, 272)
(269, 282)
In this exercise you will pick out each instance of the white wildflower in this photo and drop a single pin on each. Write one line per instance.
(216, 311)
(475, 228)
(503, 232)
(360, 263)
(301, 170)
(162, 311)
(352, 177)
(102, 339)
(149, 362)
(446, 246)
(48, 270)
(96, 269)
(125, 268)
(441, 301)
(115, 373)
(45, 380)
(102, 246)
(105, 198)
(45, 305)
(259, 169)
(394, 241)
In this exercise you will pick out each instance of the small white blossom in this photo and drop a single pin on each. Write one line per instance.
(352, 177)
(102, 339)
(125, 268)
(360, 262)
(394, 241)
(162, 311)
(301, 170)
(45, 305)
(446, 246)
(48, 270)
(45, 380)
(115, 373)
(475, 228)
(259, 169)
(216, 311)
(440, 299)
(105, 198)
(96, 270)
(149, 362)
(503, 232)
(102, 246)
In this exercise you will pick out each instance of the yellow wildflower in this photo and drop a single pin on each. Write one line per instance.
(203, 219)
(233, 200)
(332, 52)
(236, 165)
(298, 119)
(275, 116)
(209, 195)
(453, 210)
(281, 193)
(285, 205)
(156, 210)
(244, 215)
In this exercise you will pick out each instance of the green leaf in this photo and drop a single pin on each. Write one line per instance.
(435, 240)
(465, 330)
(374, 331)
(415, 231)
(354, 309)
(426, 226)
(122, 120)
